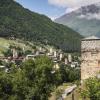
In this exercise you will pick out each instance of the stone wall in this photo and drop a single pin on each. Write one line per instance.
(90, 65)
(90, 45)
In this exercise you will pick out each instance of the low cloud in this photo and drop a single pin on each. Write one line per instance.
(72, 3)
(90, 16)
(68, 10)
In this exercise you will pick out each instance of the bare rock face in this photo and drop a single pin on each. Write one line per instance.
(90, 9)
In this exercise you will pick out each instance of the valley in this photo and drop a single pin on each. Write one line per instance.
(45, 59)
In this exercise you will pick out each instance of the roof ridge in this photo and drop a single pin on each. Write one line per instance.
(91, 38)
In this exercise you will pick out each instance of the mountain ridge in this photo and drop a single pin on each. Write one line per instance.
(85, 20)
(25, 24)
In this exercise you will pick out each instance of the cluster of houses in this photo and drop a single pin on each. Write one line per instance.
(60, 57)
(57, 57)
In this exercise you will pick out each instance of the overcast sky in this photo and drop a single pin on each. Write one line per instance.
(55, 8)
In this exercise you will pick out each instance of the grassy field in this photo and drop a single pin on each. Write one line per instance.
(5, 43)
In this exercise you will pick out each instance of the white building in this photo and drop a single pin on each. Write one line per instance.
(55, 53)
(66, 61)
(60, 56)
(70, 58)
(15, 54)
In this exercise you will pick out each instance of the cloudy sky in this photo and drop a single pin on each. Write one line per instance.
(55, 8)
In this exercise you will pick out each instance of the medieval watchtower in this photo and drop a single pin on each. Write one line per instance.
(90, 49)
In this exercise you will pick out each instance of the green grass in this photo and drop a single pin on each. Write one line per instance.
(5, 43)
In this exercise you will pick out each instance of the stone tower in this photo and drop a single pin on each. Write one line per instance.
(90, 52)
(15, 54)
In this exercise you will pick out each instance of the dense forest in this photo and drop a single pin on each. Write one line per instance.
(24, 24)
(33, 79)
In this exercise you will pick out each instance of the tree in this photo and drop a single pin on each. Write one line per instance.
(27, 52)
(8, 53)
(92, 89)
(69, 74)
(45, 80)
(32, 80)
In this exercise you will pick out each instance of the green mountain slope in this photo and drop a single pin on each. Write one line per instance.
(85, 20)
(22, 23)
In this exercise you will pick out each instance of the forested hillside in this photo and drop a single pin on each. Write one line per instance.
(22, 23)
